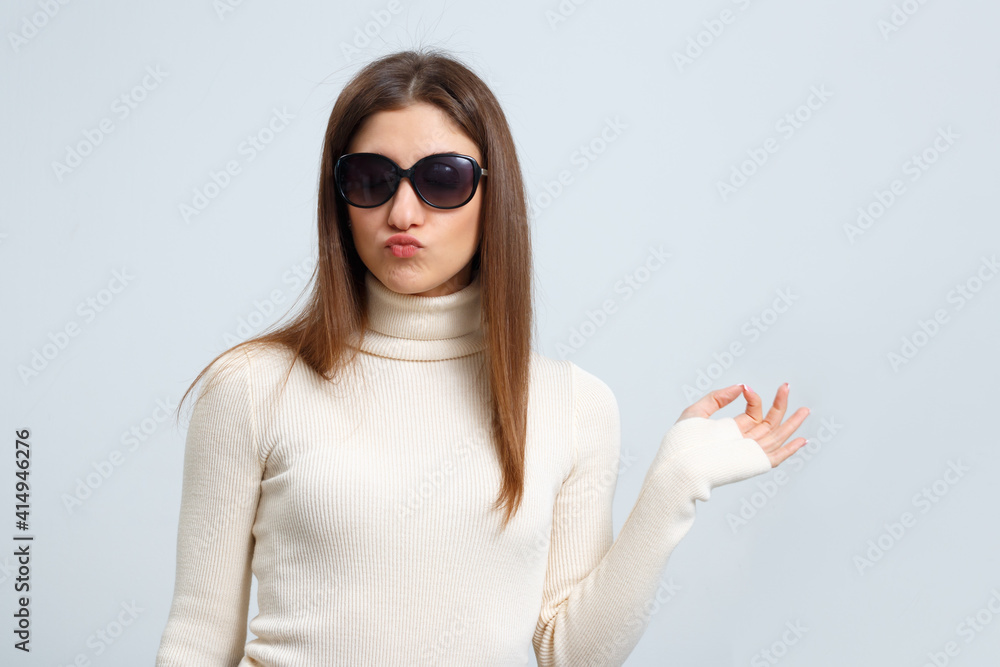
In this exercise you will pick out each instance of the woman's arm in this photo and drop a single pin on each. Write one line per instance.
(598, 591)
(221, 486)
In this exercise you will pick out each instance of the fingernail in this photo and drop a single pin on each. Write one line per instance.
(788, 386)
(747, 387)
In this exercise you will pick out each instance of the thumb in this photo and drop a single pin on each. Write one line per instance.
(712, 402)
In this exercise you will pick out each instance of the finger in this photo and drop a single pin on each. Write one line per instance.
(773, 440)
(754, 403)
(780, 455)
(712, 401)
(774, 415)
(752, 417)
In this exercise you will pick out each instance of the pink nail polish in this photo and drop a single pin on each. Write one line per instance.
(748, 387)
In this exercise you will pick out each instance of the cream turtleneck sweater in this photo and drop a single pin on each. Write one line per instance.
(362, 506)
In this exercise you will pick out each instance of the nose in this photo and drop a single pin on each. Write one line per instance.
(405, 208)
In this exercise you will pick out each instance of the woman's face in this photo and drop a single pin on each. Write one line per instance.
(448, 237)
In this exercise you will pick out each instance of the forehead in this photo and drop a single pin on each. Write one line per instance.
(408, 134)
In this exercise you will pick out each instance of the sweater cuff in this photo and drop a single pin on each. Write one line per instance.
(700, 454)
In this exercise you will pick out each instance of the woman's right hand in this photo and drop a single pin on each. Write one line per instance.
(767, 431)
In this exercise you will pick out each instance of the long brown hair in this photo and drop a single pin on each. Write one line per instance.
(336, 306)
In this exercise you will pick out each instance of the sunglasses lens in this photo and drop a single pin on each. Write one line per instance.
(366, 180)
(445, 181)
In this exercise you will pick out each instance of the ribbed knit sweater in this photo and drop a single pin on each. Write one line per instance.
(362, 506)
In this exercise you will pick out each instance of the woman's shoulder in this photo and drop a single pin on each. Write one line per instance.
(548, 369)
(256, 364)
(566, 369)
(266, 354)
(243, 357)
(580, 384)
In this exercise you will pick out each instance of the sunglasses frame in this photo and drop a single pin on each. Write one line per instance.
(400, 173)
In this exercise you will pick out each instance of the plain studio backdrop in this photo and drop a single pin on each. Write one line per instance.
(721, 192)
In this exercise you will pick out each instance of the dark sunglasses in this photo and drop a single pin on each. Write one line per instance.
(442, 180)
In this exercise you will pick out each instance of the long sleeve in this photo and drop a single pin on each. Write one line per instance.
(220, 491)
(597, 589)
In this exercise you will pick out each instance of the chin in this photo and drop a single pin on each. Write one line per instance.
(407, 279)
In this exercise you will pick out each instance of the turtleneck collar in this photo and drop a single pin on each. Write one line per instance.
(423, 328)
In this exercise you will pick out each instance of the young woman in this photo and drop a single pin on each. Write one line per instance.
(408, 480)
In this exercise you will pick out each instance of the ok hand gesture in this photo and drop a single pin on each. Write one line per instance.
(767, 431)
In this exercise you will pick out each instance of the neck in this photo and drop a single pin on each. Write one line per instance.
(423, 328)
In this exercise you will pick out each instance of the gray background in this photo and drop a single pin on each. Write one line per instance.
(193, 288)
